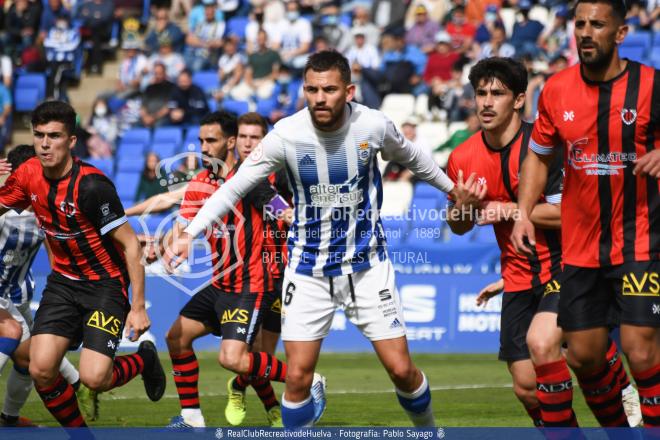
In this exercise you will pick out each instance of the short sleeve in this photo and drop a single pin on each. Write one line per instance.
(555, 184)
(12, 193)
(544, 135)
(99, 202)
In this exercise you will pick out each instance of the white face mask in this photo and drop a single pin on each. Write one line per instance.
(100, 111)
(292, 15)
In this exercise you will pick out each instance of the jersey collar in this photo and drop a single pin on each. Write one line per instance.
(507, 146)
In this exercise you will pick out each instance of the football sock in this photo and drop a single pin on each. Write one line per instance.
(19, 385)
(126, 368)
(418, 404)
(70, 373)
(614, 359)
(535, 415)
(602, 391)
(266, 366)
(265, 392)
(648, 386)
(7, 348)
(241, 382)
(185, 369)
(554, 391)
(297, 414)
(60, 400)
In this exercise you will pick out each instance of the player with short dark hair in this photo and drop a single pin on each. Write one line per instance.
(329, 151)
(95, 254)
(604, 114)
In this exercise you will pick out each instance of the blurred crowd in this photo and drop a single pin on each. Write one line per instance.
(181, 58)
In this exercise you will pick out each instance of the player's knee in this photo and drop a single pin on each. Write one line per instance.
(41, 375)
(173, 338)
(542, 350)
(11, 329)
(94, 382)
(299, 378)
(641, 355)
(403, 372)
(230, 360)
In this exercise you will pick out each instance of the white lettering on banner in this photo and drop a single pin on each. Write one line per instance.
(479, 322)
(338, 321)
(425, 333)
(467, 303)
(418, 302)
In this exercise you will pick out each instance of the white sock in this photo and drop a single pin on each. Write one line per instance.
(194, 417)
(69, 372)
(424, 418)
(628, 390)
(18, 389)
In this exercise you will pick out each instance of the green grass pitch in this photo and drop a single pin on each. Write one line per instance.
(467, 390)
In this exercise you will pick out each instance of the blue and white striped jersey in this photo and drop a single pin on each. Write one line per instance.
(20, 238)
(336, 185)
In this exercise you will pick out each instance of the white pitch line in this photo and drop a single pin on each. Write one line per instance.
(331, 391)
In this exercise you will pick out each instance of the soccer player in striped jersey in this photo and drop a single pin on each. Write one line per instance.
(604, 113)
(233, 303)
(20, 239)
(94, 255)
(337, 250)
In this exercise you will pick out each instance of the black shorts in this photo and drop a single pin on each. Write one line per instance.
(591, 296)
(229, 315)
(518, 310)
(89, 312)
(273, 314)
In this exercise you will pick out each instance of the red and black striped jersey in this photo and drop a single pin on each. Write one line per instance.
(611, 215)
(499, 169)
(240, 257)
(278, 229)
(76, 212)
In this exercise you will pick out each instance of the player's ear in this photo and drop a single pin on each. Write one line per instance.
(72, 141)
(350, 92)
(621, 33)
(519, 102)
(231, 143)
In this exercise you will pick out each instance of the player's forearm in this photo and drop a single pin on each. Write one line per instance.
(459, 220)
(546, 216)
(533, 178)
(158, 203)
(422, 165)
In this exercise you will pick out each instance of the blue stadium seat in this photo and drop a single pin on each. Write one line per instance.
(137, 136)
(167, 134)
(236, 26)
(29, 90)
(207, 80)
(634, 53)
(637, 39)
(107, 166)
(191, 142)
(129, 150)
(127, 183)
(233, 106)
(133, 165)
(165, 149)
(266, 106)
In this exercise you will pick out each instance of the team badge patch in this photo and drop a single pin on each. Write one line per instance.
(628, 116)
(364, 152)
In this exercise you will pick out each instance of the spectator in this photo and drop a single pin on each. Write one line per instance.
(402, 65)
(555, 38)
(497, 46)
(364, 61)
(461, 31)
(361, 20)
(132, 68)
(54, 9)
(205, 39)
(526, 32)
(436, 10)
(5, 116)
(61, 45)
(231, 67)
(102, 128)
(437, 73)
(190, 101)
(98, 17)
(388, 13)
(491, 19)
(21, 24)
(149, 184)
(256, 23)
(173, 61)
(422, 33)
(475, 10)
(296, 37)
(179, 6)
(261, 72)
(164, 28)
(537, 81)
(460, 136)
(445, 96)
(409, 131)
(6, 68)
(336, 33)
(157, 99)
(362, 53)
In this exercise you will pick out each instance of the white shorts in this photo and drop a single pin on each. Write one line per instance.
(369, 298)
(8, 305)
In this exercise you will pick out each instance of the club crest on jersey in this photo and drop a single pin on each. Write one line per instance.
(105, 209)
(628, 116)
(68, 208)
(363, 151)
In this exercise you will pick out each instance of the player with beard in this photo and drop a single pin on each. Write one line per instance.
(604, 114)
(337, 249)
(233, 304)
